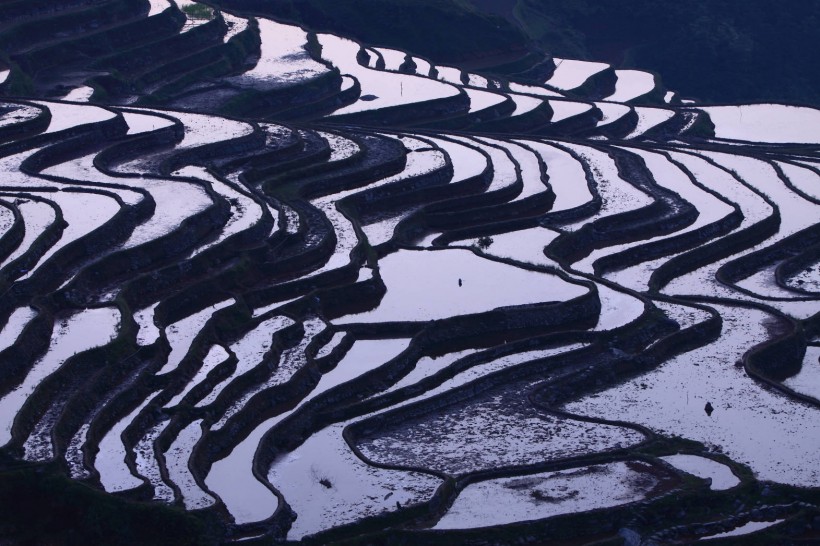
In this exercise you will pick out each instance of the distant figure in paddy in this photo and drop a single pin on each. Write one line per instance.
(459, 282)
(709, 409)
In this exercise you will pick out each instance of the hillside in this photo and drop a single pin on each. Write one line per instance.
(447, 30)
(720, 50)
(267, 284)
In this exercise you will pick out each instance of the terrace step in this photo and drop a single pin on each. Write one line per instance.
(55, 28)
(717, 217)
(398, 295)
(663, 213)
(18, 11)
(198, 54)
(51, 64)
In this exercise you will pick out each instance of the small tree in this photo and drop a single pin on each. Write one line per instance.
(484, 242)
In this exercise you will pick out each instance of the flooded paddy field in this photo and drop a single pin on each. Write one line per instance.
(306, 289)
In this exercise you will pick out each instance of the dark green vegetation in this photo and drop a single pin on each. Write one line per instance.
(198, 11)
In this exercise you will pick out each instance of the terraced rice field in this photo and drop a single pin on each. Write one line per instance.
(340, 291)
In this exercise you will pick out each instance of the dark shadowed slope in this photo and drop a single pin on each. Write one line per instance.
(448, 30)
(719, 50)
